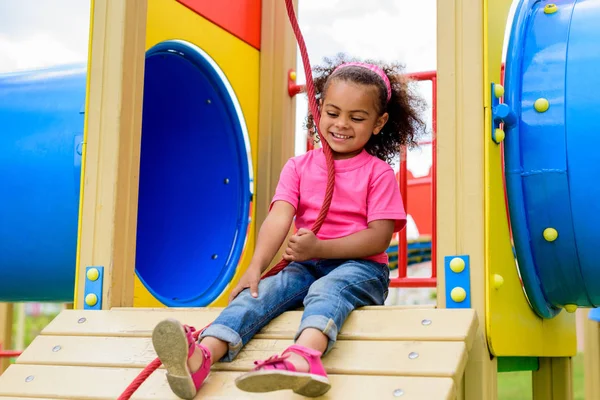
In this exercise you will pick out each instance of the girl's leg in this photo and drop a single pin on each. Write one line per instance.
(188, 363)
(216, 348)
(313, 339)
(246, 315)
(354, 283)
(327, 305)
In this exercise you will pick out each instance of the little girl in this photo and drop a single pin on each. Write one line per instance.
(367, 113)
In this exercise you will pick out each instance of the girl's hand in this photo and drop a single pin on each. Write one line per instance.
(250, 280)
(304, 245)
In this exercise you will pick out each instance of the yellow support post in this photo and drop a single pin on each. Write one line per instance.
(553, 380)
(277, 108)
(111, 151)
(460, 180)
(6, 323)
(591, 357)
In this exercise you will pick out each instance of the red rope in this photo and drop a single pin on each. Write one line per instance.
(314, 110)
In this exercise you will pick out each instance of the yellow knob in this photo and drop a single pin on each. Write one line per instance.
(92, 274)
(550, 9)
(498, 281)
(91, 299)
(541, 105)
(293, 75)
(457, 265)
(571, 308)
(498, 90)
(499, 135)
(458, 294)
(550, 234)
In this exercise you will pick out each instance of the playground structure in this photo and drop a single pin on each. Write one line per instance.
(492, 315)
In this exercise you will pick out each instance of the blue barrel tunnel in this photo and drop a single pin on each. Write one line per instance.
(195, 182)
(41, 129)
(551, 152)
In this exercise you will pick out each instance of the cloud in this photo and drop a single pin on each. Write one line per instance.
(37, 34)
(35, 51)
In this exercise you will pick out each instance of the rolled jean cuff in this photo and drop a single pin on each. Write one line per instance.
(228, 335)
(323, 324)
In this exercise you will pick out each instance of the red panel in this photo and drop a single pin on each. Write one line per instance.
(241, 18)
(419, 202)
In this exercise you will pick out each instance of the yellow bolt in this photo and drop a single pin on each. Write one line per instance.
(550, 9)
(92, 274)
(499, 135)
(498, 91)
(571, 308)
(541, 105)
(458, 294)
(457, 265)
(91, 299)
(550, 234)
(293, 75)
(498, 281)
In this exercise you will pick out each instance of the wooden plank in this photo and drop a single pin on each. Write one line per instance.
(380, 324)
(108, 383)
(445, 359)
(29, 398)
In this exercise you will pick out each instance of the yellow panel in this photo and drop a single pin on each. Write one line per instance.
(240, 63)
(513, 328)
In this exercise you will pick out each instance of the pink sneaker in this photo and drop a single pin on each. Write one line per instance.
(174, 345)
(276, 373)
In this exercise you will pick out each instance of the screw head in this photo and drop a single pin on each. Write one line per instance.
(81, 320)
(56, 348)
(29, 378)
(426, 322)
(214, 256)
(413, 354)
(226, 181)
(398, 392)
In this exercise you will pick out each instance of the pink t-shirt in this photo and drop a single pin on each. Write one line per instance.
(365, 190)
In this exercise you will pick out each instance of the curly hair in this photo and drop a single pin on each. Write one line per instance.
(405, 108)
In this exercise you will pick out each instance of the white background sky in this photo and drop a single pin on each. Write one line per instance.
(39, 33)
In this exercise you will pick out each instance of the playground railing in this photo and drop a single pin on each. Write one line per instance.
(403, 280)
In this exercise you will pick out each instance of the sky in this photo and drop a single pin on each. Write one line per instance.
(400, 31)
(40, 33)
(37, 33)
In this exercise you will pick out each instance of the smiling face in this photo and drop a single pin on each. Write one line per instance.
(349, 116)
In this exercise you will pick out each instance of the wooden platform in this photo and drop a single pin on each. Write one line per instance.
(381, 352)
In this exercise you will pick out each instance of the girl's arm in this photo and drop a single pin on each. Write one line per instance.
(304, 245)
(272, 233)
(373, 240)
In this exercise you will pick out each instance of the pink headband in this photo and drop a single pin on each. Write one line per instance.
(375, 69)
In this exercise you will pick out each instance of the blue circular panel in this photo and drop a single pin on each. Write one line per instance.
(194, 192)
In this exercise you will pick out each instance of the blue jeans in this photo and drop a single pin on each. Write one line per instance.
(328, 289)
